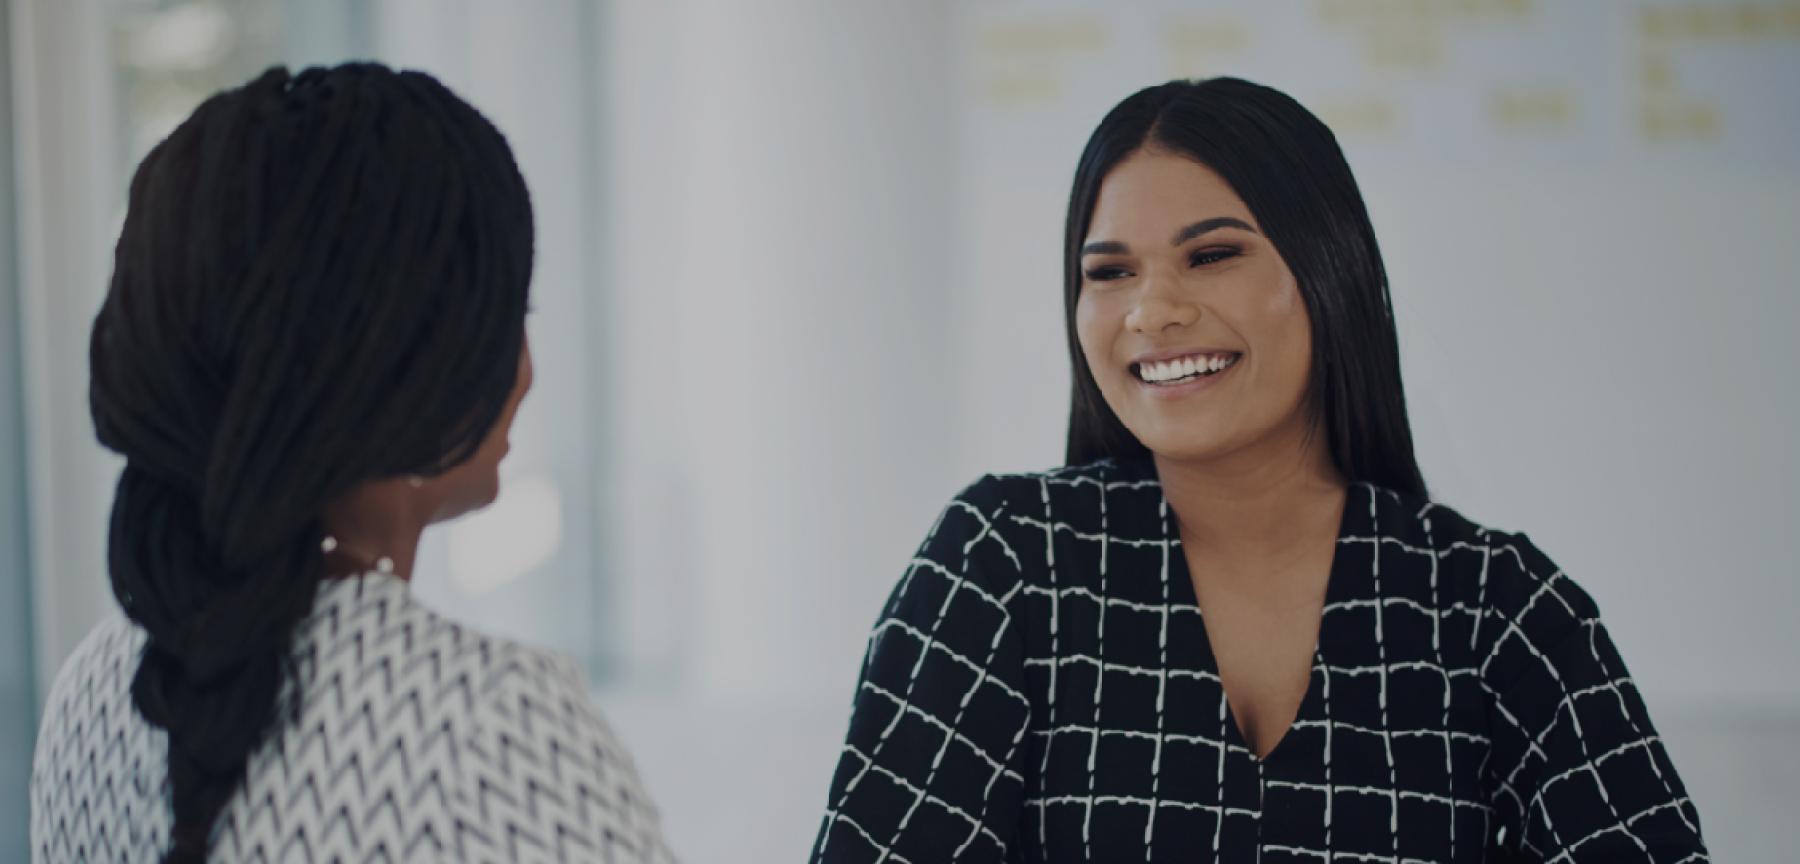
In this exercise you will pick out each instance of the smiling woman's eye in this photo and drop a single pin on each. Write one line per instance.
(1211, 255)
(1105, 273)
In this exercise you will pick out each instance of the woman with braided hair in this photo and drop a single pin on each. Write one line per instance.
(312, 349)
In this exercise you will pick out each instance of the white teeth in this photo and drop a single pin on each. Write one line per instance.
(1186, 367)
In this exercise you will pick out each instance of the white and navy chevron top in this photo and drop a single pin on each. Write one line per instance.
(1040, 688)
(417, 740)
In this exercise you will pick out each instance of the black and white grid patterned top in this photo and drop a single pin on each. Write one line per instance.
(418, 740)
(1040, 688)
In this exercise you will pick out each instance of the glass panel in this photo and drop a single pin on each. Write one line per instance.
(18, 702)
(168, 55)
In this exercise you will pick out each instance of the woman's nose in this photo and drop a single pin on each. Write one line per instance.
(1161, 306)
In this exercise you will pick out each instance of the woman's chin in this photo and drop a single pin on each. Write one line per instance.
(1190, 441)
(473, 502)
(1187, 453)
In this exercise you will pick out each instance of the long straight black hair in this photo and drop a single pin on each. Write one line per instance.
(1286, 166)
(321, 281)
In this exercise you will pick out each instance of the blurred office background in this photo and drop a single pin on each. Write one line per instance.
(798, 282)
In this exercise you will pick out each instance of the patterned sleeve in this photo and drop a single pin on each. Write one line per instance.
(931, 768)
(543, 777)
(1577, 771)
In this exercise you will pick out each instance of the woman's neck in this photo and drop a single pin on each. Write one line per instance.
(1257, 503)
(373, 523)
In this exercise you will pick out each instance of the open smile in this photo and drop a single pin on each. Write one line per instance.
(1176, 371)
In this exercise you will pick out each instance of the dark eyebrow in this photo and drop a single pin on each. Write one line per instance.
(1114, 247)
(1205, 225)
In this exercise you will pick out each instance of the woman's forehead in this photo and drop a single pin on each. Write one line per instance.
(1154, 192)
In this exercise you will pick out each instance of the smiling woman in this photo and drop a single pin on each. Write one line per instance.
(1159, 322)
(1234, 623)
(1173, 369)
(1312, 253)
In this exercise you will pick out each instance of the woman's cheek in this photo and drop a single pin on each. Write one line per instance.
(1092, 331)
(1284, 299)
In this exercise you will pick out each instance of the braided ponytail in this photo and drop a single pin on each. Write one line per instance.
(321, 281)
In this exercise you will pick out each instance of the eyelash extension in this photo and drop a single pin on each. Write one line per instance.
(1213, 254)
(1200, 258)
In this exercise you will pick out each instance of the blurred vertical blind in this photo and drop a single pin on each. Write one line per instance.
(18, 699)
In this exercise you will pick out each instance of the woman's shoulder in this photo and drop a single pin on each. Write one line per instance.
(376, 625)
(1518, 572)
(93, 748)
(520, 717)
(88, 702)
(1523, 597)
(91, 689)
(109, 650)
(1015, 529)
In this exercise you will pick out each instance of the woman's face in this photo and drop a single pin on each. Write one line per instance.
(475, 483)
(1189, 320)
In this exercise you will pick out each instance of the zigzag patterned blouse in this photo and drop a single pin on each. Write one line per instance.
(1040, 688)
(417, 740)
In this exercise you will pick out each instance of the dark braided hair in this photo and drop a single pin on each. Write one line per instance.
(321, 281)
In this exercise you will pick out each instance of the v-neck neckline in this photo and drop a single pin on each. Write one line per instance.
(1337, 590)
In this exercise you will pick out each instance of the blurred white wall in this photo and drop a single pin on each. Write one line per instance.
(779, 288)
(533, 565)
(18, 696)
(783, 377)
(798, 282)
(68, 187)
